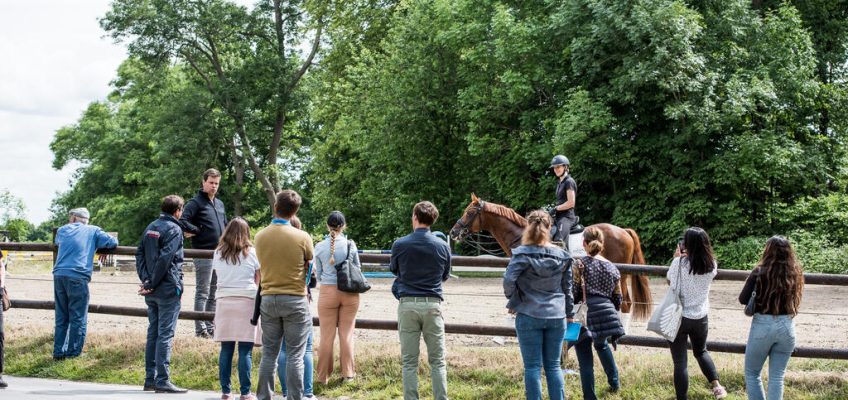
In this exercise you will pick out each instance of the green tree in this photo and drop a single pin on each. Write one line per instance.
(11, 206)
(19, 229)
(248, 61)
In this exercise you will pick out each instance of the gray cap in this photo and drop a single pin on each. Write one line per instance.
(81, 212)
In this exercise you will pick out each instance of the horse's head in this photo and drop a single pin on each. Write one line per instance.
(470, 220)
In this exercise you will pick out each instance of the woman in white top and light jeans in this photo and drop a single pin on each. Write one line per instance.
(237, 268)
(335, 308)
(694, 271)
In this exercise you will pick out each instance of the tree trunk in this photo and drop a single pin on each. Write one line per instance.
(238, 193)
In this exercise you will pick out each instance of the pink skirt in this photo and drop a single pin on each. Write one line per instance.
(232, 321)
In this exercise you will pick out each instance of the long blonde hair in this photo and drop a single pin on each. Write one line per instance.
(538, 230)
(235, 241)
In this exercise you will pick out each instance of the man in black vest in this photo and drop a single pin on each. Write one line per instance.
(203, 220)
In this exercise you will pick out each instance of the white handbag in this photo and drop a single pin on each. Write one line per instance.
(666, 319)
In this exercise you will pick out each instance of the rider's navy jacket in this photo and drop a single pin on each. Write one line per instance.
(204, 218)
(159, 258)
(538, 282)
(421, 262)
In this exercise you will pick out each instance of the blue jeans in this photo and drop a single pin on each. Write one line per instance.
(307, 367)
(71, 299)
(771, 336)
(162, 312)
(225, 365)
(583, 348)
(204, 295)
(540, 341)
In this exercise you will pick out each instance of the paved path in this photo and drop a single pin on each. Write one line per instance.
(34, 388)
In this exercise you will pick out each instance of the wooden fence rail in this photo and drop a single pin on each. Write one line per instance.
(466, 329)
(466, 261)
(456, 261)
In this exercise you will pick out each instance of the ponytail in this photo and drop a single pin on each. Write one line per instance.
(538, 229)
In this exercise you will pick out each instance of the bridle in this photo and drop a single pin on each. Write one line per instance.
(465, 226)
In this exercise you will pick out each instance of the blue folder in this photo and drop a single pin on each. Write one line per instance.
(572, 331)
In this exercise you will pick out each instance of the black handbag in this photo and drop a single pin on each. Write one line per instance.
(349, 276)
(750, 308)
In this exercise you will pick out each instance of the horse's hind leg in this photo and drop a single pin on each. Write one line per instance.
(626, 302)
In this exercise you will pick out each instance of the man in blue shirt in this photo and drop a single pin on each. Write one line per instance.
(77, 243)
(421, 262)
(159, 263)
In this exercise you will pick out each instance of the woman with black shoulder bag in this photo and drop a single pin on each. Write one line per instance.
(336, 309)
(772, 294)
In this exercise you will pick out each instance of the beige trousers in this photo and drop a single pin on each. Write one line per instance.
(336, 309)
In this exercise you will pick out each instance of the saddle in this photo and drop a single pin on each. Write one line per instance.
(575, 229)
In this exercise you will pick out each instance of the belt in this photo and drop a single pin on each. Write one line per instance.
(420, 300)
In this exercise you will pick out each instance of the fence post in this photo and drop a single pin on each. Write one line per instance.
(54, 247)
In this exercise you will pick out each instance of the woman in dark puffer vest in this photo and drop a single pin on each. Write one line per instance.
(603, 292)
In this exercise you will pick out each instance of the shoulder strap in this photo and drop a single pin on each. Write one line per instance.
(583, 280)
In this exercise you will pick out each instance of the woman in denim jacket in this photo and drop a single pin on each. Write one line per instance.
(537, 283)
(779, 283)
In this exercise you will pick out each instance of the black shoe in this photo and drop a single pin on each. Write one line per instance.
(149, 388)
(58, 358)
(3, 383)
(169, 387)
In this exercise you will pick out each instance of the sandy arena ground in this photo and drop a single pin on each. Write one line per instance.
(823, 321)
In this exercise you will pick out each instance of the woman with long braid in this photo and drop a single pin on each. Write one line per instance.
(778, 282)
(335, 308)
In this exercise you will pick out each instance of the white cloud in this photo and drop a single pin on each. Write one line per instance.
(55, 61)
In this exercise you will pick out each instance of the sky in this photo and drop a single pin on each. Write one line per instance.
(54, 61)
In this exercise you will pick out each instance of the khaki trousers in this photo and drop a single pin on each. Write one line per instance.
(336, 309)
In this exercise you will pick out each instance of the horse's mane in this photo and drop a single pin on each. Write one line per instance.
(506, 212)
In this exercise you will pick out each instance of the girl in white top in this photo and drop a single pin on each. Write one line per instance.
(237, 268)
(692, 273)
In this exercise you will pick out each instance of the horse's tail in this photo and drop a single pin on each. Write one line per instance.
(643, 302)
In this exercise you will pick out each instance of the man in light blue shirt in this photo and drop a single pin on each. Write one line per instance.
(77, 242)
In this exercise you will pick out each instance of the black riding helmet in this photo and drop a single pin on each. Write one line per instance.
(559, 159)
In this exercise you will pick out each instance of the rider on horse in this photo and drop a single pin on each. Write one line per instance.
(566, 196)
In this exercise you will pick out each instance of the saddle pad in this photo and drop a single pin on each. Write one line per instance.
(575, 245)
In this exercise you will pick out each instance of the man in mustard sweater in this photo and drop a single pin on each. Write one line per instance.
(284, 253)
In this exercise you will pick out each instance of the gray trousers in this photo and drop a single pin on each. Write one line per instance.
(283, 316)
(204, 295)
(563, 225)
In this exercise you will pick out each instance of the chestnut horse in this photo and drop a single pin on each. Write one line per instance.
(621, 246)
